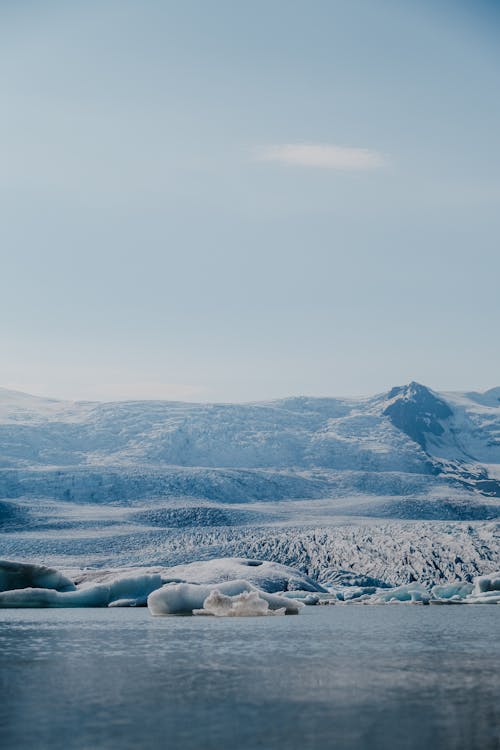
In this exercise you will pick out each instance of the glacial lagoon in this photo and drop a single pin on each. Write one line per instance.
(349, 678)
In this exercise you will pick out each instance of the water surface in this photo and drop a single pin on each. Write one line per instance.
(403, 677)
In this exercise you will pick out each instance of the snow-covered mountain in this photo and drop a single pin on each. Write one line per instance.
(108, 476)
(410, 441)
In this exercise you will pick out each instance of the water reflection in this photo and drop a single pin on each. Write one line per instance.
(343, 677)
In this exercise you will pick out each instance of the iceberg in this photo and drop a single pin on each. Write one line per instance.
(486, 589)
(411, 592)
(18, 575)
(489, 597)
(450, 591)
(34, 598)
(110, 589)
(487, 583)
(134, 589)
(267, 576)
(184, 598)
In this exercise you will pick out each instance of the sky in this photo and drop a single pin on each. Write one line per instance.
(235, 201)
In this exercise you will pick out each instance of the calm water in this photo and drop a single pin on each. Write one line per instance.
(334, 677)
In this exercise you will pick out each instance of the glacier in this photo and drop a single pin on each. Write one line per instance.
(398, 488)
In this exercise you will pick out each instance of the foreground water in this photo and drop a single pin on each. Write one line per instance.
(333, 677)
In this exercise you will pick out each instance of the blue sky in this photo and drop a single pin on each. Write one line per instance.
(238, 201)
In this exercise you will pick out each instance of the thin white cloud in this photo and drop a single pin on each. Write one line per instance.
(322, 155)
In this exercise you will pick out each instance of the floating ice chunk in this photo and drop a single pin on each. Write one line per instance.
(136, 588)
(486, 590)
(303, 596)
(246, 604)
(356, 592)
(411, 592)
(129, 585)
(351, 593)
(184, 598)
(451, 590)
(17, 575)
(350, 578)
(93, 596)
(488, 597)
(311, 600)
(490, 582)
(267, 576)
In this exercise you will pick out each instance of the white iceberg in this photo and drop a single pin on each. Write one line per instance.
(184, 598)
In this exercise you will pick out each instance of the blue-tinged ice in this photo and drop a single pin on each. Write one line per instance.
(18, 575)
(458, 590)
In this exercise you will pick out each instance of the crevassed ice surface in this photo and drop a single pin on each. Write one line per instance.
(401, 486)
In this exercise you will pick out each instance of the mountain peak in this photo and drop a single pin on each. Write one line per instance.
(411, 391)
(417, 411)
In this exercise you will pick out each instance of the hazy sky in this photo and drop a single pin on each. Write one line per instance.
(246, 200)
